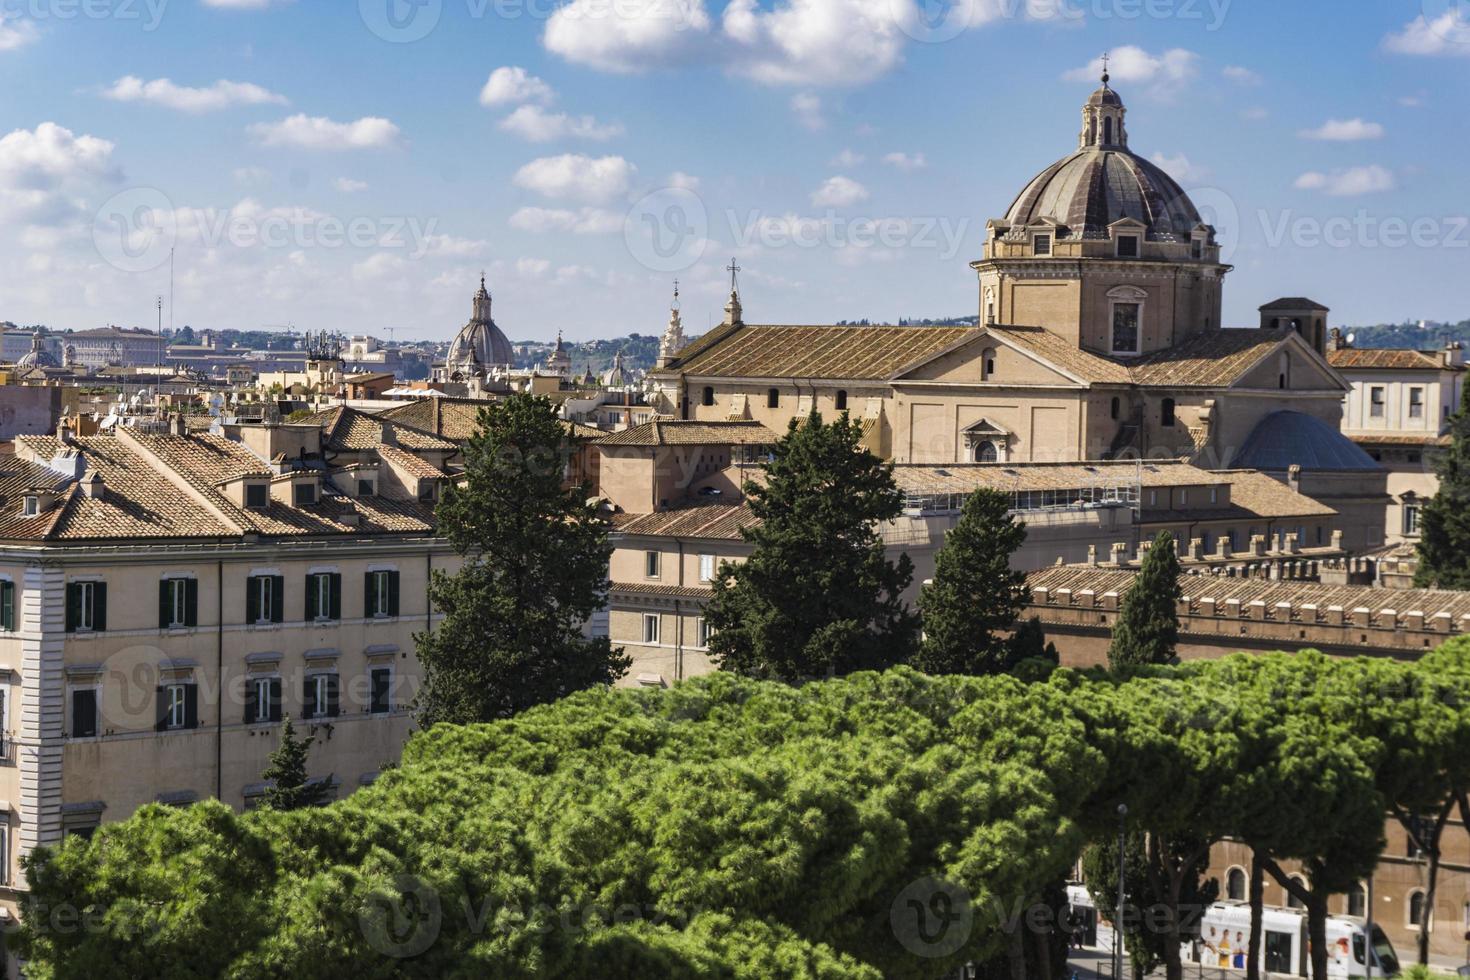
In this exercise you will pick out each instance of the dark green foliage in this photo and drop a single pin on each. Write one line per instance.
(818, 596)
(1147, 630)
(535, 569)
(1444, 523)
(975, 595)
(291, 789)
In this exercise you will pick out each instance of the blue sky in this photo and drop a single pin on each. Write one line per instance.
(326, 165)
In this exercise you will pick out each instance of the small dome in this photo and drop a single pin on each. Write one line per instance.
(38, 356)
(1285, 439)
(1105, 96)
(480, 344)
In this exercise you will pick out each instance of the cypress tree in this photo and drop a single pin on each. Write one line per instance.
(1148, 624)
(534, 570)
(818, 596)
(287, 770)
(975, 596)
(1444, 524)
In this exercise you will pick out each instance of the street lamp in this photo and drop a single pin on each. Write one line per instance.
(1118, 909)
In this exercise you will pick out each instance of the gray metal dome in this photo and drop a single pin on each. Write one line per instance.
(1096, 186)
(1285, 439)
(480, 344)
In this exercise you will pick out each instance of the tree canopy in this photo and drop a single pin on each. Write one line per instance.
(1444, 523)
(1147, 630)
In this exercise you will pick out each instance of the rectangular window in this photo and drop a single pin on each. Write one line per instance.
(178, 707)
(364, 488)
(650, 628)
(263, 700)
(324, 596)
(257, 496)
(707, 568)
(84, 712)
(380, 598)
(7, 606)
(1416, 403)
(303, 494)
(1197, 248)
(382, 690)
(319, 700)
(1125, 328)
(1214, 495)
(31, 507)
(178, 603)
(1041, 245)
(1411, 518)
(652, 562)
(773, 398)
(265, 599)
(1127, 246)
(86, 607)
(1375, 402)
(703, 631)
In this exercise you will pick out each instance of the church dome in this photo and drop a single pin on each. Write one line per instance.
(38, 356)
(1285, 439)
(480, 344)
(1105, 181)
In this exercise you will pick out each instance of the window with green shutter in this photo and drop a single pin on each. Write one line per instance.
(380, 594)
(324, 596)
(86, 607)
(178, 603)
(7, 606)
(265, 599)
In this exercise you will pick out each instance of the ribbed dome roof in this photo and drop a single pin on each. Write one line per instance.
(1105, 96)
(1096, 186)
(480, 344)
(1285, 439)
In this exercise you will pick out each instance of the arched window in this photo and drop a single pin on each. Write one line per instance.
(985, 452)
(841, 401)
(1235, 885)
(773, 398)
(1292, 902)
(1357, 901)
(1281, 380)
(987, 363)
(1416, 909)
(709, 396)
(1113, 408)
(1166, 412)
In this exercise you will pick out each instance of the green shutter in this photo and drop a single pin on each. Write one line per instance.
(336, 589)
(73, 606)
(369, 595)
(275, 699)
(332, 705)
(7, 606)
(278, 598)
(99, 607)
(191, 602)
(191, 705)
(306, 699)
(161, 695)
(312, 610)
(165, 603)
(252, 601)
(252, 701)
(392, 593)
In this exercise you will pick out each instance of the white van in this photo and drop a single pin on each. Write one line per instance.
(1225, 933)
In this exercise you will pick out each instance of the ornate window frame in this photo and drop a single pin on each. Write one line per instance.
(1126, 296)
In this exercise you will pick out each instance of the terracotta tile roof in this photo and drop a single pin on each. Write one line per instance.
(346, 429)
(17, 477)
(1198, 587)
(1380, 358)
(645, 588)
(411, 464)
(1062, 353)
(952, 478)
(1212, 359)
(1426, 440)
(673, 432)
(703, 520)
(1253, 495)
(454, 419)
(838, 352)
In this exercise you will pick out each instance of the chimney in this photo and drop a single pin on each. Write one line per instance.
(93, 486)
(1453, 354)
(1294, 477)
(1336, 340)
(64, 433)
(177, 426)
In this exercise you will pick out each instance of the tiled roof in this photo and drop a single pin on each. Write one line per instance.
(838, 352)
(1253, 495)
(711, 521)
(1294, 303)
(1246, 590)
(1382, 358)
(17, 477)
(451, 418)
(1398, 439)
(1062, 353)
(672, 432)
(1211, 359)
(346, 429)
(411, 464)
(672, 591)
(932, 478)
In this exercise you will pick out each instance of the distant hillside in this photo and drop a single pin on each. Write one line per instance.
(1409, 335)
(639, 352)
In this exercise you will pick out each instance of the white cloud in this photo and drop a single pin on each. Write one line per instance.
(682, 181)
(1181, 169)
(1132, 64)
(45, 173)
(380, 266)
(1241, 75)
(16, 33)
(817, 42)
(1411, 101)
(536, 125)
(513, 85)
(629, 36)
(321, 133)
(839, 192)
(808, 110)
(1344, 130)
(577, 177)
(449, 245)
(1445, 35)
(532, 268)
(1254, 113)
(907, 162)
(162, 91)
(1347, 183)
(348, 185)
(848, 159)
(584, 221)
